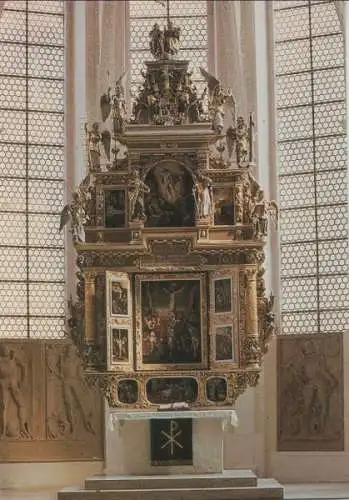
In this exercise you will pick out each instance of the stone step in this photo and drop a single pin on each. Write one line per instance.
(226, 479)
(266, 489)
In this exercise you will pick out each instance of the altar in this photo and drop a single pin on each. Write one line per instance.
(130, 433)
(172, 318)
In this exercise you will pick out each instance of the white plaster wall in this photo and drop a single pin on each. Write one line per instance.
(246, 447)
(243, 447)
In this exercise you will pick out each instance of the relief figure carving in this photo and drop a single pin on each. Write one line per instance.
(310, 394)
(66, 367)
(12, 375)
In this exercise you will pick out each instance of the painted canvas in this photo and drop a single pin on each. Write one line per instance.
(172, 390)
(119, 343)
(216, 389)
(222, 295)
(119, 299)
(170, 323)
(224, 343)
(114, 208)
(170, 202)
(128, 391)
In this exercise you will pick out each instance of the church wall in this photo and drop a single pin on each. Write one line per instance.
(246, 447)
(44, 475)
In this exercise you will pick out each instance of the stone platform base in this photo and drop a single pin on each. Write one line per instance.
(228, 485)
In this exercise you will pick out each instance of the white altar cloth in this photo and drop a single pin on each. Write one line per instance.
(117, 417)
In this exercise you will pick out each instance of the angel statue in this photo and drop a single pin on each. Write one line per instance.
(136, 191)
(93, 147)
(75, 212)
(260, 214)
(113, 101)
(219, 101)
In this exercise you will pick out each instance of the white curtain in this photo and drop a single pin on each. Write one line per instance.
(106, 44)
(234, 50)
(339, 4)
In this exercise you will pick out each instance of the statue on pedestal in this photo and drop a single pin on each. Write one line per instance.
(136, 190)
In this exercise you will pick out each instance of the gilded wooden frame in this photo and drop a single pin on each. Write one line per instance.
(224, 319)
(168, 277)
(123, 282)
(227, 396)
(119, 321)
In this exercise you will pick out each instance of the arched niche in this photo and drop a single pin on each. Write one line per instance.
(170, 202)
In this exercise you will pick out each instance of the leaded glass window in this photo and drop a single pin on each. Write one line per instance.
(32, 294)
(312, 157)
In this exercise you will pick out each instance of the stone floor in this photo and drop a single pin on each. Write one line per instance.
(322, 491)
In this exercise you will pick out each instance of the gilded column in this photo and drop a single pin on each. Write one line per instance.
(90, 320)
(250, 344)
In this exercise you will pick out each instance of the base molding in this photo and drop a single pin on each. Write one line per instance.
(228, 485)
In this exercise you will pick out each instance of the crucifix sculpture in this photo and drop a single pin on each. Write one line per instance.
(165, 3)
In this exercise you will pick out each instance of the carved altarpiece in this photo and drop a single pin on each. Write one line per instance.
(169, 238)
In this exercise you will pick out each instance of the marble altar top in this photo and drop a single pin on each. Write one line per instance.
(228, 416)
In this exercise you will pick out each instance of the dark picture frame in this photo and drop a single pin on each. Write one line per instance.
(114, 208)
(223, 297)
(224, 343)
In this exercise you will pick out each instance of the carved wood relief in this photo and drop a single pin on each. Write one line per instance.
(47, 411)
(310, 393)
